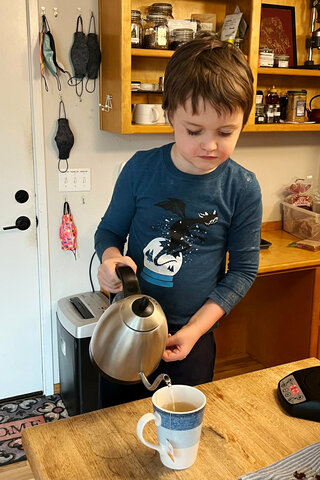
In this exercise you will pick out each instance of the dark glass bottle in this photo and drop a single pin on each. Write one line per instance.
(272, 96)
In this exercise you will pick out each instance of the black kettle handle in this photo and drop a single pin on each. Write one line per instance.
(129, 280)
(312, 99)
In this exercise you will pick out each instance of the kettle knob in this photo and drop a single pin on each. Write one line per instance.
(142, 307)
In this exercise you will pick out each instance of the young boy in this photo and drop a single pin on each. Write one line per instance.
(184, 206)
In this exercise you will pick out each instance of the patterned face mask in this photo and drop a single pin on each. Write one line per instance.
(68, 231)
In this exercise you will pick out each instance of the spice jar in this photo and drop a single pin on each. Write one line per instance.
(281, 61)
(276, 113)
(156, 31)
(296, 109)
(272, 96)
(180, 36)
(165, 8)
(266, 57)
(260, 116)
(136, 29)
(269, 113)
(259, 97)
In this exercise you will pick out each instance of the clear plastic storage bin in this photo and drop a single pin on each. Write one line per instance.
(300, 222)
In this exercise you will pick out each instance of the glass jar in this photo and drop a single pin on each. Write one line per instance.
(156, 31)
(136, 29)
(259, 97)
(276, 113)
(165, 8)
(266, 57)
(269, 113)
(272, 96)
(281, 61)
(179, 36)
(260, 116)
(297, 102)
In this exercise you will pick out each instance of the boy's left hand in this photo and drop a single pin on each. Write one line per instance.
(179, 345)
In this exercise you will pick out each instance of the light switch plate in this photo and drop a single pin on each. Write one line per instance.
(75, 180)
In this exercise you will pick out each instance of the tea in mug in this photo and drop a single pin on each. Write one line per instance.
(179, 407)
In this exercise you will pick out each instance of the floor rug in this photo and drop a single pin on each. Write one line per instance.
(23, 413)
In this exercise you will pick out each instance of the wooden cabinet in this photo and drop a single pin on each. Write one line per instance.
(121, 64)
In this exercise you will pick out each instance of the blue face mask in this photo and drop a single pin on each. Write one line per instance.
(49, 52)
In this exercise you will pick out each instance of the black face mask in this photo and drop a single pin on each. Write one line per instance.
(94, 56)
(79, 57)
(64, 138)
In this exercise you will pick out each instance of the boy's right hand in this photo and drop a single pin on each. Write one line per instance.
(107, 276)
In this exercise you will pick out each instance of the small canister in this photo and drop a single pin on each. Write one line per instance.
(297, 102)
(281, 61)
(266, 57)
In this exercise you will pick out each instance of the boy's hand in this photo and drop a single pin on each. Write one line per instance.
(107, 276)
(180, 344)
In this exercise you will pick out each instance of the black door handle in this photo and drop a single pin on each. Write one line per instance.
(22, 223)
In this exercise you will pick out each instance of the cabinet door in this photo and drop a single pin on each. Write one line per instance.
(115, 78)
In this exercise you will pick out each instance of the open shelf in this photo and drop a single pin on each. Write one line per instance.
(149, 52)
(292, 72)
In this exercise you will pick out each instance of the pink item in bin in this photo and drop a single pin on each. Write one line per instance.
(68, 231)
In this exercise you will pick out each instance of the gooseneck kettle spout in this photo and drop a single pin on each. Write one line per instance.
(156, 383)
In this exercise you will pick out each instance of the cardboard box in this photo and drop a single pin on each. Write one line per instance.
(300, 222)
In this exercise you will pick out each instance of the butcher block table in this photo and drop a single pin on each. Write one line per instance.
(244, 429)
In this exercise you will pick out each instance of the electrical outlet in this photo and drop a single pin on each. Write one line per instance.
(75, 180)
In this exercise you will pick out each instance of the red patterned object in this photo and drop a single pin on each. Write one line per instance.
(68, 231)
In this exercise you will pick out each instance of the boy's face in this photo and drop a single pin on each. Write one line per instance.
(204, 140)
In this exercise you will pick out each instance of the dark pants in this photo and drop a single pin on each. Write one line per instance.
(195, 369)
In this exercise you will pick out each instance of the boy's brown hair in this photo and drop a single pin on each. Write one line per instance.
(212, 70)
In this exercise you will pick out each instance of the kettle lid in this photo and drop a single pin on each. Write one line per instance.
(145, 314)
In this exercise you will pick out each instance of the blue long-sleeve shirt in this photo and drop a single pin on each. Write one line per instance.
(181, 227)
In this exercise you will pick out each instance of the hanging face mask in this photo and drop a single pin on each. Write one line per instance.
(42, 61)
(94, 56)
(79, 57)
(68, 231)
(49, 52)
(64, 138)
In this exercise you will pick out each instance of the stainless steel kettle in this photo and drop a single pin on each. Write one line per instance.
(130, 337)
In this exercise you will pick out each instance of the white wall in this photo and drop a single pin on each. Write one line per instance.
(275, 158)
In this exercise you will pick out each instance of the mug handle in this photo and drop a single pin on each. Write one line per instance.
(157, 115)
(148, 417)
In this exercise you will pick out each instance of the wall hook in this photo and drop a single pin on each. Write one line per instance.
(43, 10)
(55, 11)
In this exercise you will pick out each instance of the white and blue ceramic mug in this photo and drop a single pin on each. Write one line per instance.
(178, 430)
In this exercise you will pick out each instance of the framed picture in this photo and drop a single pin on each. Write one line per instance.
(278, 30)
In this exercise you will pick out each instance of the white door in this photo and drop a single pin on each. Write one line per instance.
(20, 332)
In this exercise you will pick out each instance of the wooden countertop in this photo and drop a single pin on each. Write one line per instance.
(244, 429)
(279, 257)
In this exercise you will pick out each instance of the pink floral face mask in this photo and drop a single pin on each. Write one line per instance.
(68, 231)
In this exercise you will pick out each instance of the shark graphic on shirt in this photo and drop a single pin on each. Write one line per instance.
(163, 256)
